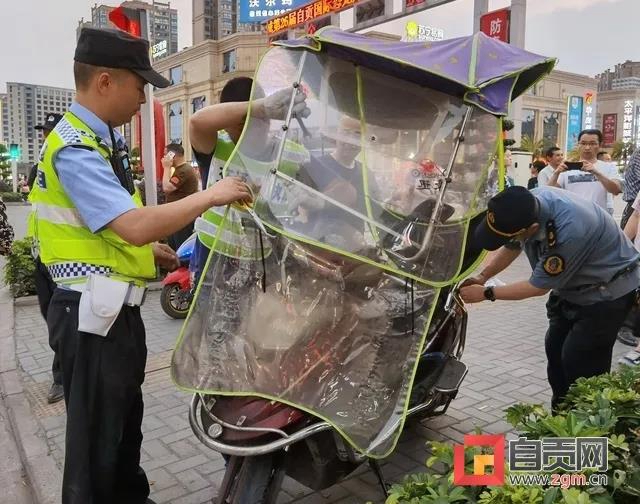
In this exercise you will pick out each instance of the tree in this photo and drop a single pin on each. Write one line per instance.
(5, 164)
(507, 125)
(530, 145)
(621, 151)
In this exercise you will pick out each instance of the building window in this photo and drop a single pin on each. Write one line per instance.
(198, 103)
(229, 61)
(175, 75)
(175, 122)
(366, 11)
(529, 123)
(551, 127)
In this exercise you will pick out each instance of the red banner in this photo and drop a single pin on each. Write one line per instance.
(306, 13)
(496, 24)
(413, 3)
(609, 129)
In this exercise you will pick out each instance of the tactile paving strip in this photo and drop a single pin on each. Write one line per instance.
(37, 392)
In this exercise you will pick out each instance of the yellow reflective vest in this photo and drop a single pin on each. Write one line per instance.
(66, 245)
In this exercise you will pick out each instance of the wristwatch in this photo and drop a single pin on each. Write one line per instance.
(489, 294)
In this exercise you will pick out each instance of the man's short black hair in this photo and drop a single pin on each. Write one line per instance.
(237, 90)
(176, 148)
(539, 165)
(601, 153)
(551, 151)
(591, 132)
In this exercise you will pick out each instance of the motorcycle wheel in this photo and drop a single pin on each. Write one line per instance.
(258, 481)
(173, 302)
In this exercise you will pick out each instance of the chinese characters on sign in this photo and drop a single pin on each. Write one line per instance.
(627, 122)
(413, 3)
(496, 24)
(421, 33)
(159, 49)
(255, 11)
(574, 122)
(609, 129)
(558, 454)
(305, 14)
(589, 108)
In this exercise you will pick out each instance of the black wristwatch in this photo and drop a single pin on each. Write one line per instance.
(489, 294)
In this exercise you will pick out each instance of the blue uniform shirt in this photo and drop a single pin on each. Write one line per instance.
(89, 180)
(590, 250)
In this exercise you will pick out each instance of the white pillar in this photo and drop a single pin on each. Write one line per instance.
(517, 39)
(14, 174)
(480, 7)
(148, 154)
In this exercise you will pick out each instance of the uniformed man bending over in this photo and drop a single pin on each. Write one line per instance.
(98, 244)
(577, 252)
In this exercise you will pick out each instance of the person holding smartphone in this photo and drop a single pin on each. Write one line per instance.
(590, 178)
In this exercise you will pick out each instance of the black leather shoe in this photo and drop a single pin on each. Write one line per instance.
(150, 501)
(56, 393)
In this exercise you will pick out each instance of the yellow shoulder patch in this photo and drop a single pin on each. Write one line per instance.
(553, 265)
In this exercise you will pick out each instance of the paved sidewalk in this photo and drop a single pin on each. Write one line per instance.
(505, 354)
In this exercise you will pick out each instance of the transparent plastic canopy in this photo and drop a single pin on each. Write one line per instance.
(361, 213)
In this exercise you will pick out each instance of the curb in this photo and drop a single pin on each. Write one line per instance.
(40, 467)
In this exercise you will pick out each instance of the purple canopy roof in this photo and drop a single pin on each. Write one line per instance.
(483, 71)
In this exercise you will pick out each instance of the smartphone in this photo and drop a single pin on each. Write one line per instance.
(171, 155)
(574, 165)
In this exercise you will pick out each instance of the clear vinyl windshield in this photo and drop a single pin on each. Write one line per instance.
(321, 294)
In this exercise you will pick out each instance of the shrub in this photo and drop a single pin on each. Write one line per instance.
(603, 406)
(11, 197)
(19, 269)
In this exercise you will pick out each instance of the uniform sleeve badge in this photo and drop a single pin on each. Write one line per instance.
(174, 180)
(553, 265)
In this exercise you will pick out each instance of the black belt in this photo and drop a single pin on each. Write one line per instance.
(628, 269)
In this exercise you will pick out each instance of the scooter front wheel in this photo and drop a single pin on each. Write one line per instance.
(174, 301)
(257, 482)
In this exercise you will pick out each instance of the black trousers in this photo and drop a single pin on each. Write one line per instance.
(102, 378)
(626, 214)
(44, 288)
(579, 341)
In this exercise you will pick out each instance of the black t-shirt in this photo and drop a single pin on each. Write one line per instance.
(204, 162)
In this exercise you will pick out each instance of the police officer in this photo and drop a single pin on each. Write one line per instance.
(577, 252)
(97, 241)
(43, 282)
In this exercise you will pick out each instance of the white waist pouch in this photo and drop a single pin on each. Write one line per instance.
(100, 304)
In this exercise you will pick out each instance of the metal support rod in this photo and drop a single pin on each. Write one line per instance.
(440, 201)
(148, 135)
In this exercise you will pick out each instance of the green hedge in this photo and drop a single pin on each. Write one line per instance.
(602, 406)
(11, 197)
(19, 269)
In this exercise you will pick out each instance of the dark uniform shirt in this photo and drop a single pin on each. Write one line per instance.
(591, 259)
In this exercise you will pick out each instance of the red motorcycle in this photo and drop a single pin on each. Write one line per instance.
(177, 292)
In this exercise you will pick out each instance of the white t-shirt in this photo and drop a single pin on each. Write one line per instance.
(545, 175)
(586, 184)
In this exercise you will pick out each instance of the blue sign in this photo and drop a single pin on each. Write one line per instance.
(257, 11)
(574, 121)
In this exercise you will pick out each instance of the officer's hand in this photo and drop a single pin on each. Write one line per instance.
(276, 105)
(229, 190)
(472, 294)
(475, 280)
(165, 256)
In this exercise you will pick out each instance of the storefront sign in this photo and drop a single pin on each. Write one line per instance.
(159, 49)
(589, 109)
(627, 122)
(420, 33)
(574, 122)
(256, 11)
(609, 129)
(496, 24)
(306, 13)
